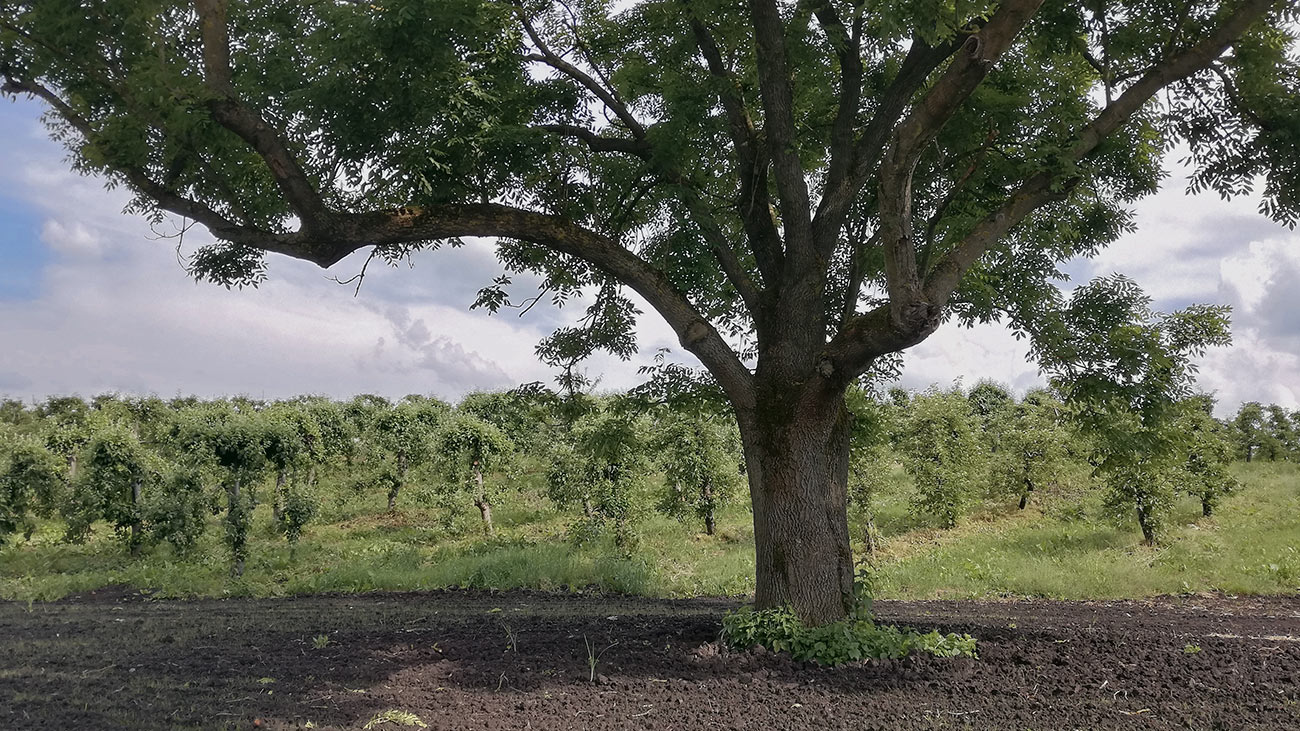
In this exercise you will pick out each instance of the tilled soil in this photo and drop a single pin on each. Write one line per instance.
(519, 660)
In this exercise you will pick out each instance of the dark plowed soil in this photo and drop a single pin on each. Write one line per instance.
(472, 660)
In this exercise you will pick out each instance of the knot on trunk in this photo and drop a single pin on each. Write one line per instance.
(693, 333)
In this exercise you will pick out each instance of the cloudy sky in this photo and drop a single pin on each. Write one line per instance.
(92, 300)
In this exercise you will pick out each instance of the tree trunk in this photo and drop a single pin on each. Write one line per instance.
(797, 457)
(870, 537)
(136, 537)
(710, 520)
(1206, 508)
(482, 503)
(397, 486)
(1148, 530)
(587, 510)
(1029, 486)
(277, 500)
(232, 505)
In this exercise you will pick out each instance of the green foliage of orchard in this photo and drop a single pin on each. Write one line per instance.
(144, 505)
(941, 448)
(698, 454)
(1130, 379)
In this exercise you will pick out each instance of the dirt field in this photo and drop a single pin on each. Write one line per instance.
(462, 660)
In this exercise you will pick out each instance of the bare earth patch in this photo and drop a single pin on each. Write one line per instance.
(518, 660)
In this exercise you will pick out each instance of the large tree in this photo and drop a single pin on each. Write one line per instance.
(799, 188)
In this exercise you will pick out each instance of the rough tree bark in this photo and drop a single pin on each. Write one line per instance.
(798, 467)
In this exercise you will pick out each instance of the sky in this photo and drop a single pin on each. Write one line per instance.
(94, 300)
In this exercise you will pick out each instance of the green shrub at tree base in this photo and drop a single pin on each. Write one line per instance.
(849, 640)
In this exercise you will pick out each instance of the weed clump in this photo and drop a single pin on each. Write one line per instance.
(856, 638)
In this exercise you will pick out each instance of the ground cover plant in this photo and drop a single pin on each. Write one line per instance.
(801, 191)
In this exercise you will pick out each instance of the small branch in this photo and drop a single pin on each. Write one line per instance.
(607, 96)
(600, 143)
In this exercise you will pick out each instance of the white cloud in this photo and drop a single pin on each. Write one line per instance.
(71, 238)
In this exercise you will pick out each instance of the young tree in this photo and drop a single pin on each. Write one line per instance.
(1248, 430)
(400, 440)
(177, 512)
(1031, 440)
(520, 414)
(701, 466)
(989, 400)
(232, 444)
(869, 457)
(603, 466)
(825, 183)
(1208, 453)
(943, 451)
(117, 473)
(1283, 438)
(1126, 380)
(466, 450)
(31, 485)
(291, 439)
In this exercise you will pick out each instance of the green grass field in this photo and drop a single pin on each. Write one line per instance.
(1060, 547)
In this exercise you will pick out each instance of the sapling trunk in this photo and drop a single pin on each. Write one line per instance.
(277, 499)
(710, 521)
(482, 503)
(1148, 527)
(396, 487)
(234, 514)
(136, 537)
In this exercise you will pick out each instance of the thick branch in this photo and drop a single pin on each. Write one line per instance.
(1038, 190)
(776, 86)
(754, 206)
(166, 198)
(849, 54)
(554, 232)
(717, 240)
(841, 190)
(235, 115)
(600, 143)
(882, 330)
(978, 54)
(735, 272)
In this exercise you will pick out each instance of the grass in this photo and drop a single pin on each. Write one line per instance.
(1248, 547)
(1060, 547)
